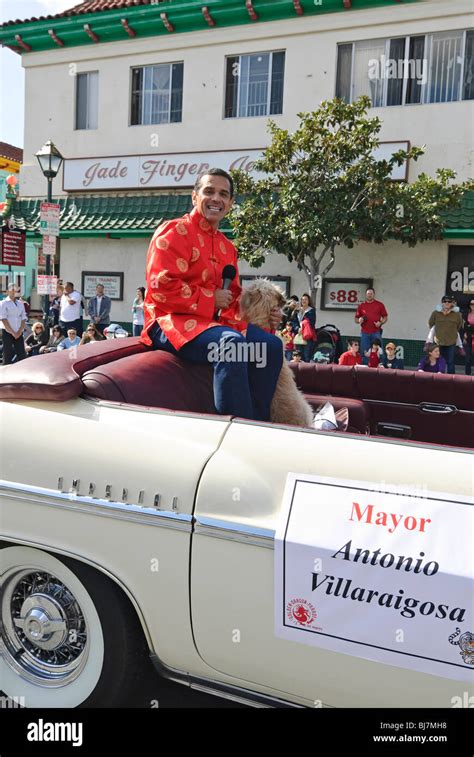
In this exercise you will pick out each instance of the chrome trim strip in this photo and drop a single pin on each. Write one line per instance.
(232, 531)
(105, 507)
(219, 688)
(155, 410)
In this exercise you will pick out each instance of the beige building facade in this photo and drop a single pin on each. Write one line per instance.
(408, 280)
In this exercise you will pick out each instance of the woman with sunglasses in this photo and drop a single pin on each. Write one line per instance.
(468, 334)
(55, 339)
(91, 334)
(36, 339)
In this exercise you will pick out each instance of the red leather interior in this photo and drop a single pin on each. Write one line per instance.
(397, 397)
(124, 370)
(57, 375)
(155, 379)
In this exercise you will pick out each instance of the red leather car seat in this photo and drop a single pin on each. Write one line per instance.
(154, 379)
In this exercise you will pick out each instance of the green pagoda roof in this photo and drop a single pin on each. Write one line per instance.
(138, 215)
(118, 215)
(98, 21)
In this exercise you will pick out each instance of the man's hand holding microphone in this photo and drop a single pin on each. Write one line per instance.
(222, 298)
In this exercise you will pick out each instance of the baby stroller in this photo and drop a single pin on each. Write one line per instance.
(328, 347)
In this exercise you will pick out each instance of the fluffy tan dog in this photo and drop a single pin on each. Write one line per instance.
(288, 404)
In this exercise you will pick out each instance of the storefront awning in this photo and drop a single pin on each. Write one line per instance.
(460, 221)
(114, 216)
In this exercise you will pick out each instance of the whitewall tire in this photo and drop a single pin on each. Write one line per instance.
(67, 639)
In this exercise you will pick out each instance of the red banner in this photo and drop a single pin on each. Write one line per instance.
(13, 247)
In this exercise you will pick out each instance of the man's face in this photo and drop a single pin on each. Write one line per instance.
(68, 289)
(369, 295)
(13, 293)
(213, 199)
(72, 334)
(99, 290)
(355, 348)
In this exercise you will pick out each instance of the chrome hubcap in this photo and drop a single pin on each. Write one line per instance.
(43, 621)
(44, 636)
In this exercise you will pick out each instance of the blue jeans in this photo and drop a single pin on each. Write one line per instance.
(137, 329)
(308, 351)
(366, 343)
(246, 369)
(449, 354)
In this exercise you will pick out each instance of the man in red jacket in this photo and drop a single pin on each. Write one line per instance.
(188, 313)
(371, 315)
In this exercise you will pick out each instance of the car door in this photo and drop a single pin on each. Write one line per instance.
(232, 578)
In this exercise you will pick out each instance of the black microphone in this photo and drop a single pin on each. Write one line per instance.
(228, 275)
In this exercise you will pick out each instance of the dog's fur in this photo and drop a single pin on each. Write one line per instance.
(288, 404)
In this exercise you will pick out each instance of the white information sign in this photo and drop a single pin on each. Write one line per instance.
(49, 245)
(49, 218)
(47, 284)
(340, 294)
(371, 573)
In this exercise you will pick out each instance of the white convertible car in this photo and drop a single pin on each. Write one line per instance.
(273, 565)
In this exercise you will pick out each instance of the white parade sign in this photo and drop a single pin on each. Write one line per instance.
(49, 245)
(371, 573)
(49, 218)
(47, 284)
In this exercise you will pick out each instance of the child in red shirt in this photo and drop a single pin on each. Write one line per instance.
(288, 336)
(352, 356)
(374, 354)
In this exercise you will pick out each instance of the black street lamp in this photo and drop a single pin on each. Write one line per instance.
(50, 160)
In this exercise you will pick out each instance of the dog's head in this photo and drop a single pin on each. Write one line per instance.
(257, 301)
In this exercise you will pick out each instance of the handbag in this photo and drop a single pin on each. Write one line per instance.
(308, 331)
(299, 340)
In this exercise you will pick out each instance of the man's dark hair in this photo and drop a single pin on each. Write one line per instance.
(214, 172)
(294, 297)
(370, 289)
(69, 283)
(350, 342)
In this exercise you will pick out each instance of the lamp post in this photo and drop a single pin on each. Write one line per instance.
(50, 160)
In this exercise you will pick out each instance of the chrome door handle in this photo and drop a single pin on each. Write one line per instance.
(431, 407)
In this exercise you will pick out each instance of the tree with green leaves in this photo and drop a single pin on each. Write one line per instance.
(322, 187)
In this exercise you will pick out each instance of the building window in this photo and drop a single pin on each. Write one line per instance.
(431, 68)
(87, 100)
(157, 94)
(254, 85)
(468, 79)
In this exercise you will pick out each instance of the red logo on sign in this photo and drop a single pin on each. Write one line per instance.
(301, 611)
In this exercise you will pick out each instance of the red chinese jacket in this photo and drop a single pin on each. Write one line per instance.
(184, 267)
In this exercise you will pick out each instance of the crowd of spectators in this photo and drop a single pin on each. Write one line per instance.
(450, 331)
(65, 326)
